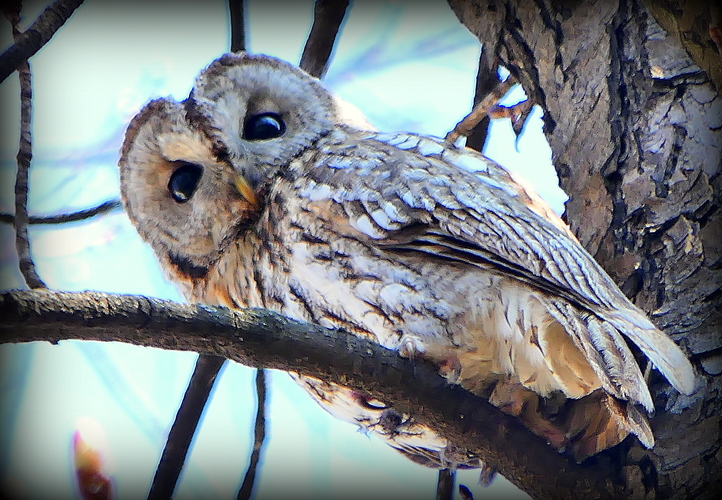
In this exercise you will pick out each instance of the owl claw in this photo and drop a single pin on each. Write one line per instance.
(449, 366)
(515, 400)
(450, 369)
(411, 348)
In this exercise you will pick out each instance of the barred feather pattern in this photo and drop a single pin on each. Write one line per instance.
(426, 248)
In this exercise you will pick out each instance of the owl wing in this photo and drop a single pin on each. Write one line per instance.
(411, 193)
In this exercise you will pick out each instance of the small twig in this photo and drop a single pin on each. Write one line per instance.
(24, 157)
(445, 484)
(88, 213)
(516, 113)
(327, 18)
(480, 111)
(37, 35)
(184, 426)
(238, 27)
(258, 438)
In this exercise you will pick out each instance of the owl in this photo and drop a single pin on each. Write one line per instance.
(262, 189)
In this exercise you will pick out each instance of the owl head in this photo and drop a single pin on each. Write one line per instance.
(194, 174)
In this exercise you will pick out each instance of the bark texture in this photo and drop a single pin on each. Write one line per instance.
(635, 128)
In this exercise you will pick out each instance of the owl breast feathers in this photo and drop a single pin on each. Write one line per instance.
(261, 190)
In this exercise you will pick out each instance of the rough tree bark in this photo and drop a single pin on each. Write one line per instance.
(635, 128)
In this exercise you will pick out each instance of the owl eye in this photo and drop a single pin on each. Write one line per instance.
(263, 126)
(184, 181)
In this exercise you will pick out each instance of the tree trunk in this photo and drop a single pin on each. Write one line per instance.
(635, 128)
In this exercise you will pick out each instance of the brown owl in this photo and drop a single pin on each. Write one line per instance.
(262, 190)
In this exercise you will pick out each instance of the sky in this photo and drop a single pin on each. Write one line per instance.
(408, 66)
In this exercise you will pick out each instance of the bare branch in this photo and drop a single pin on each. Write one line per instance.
(262, 338)
(184, 426)
(80, 215)
(37, 35)
(22, 241)
(327, 18)
(480, 111)
(24, 157)
(238, 27)
(258, 438)
(486, 81)
(445, 484)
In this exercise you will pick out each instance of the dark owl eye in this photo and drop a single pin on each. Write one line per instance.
(184, 181)
(263, 126)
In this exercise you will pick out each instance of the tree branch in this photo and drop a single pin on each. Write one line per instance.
(184, 426)
(264, 339)
(445, 484)
(37, 35)
(259, 436)
(327, 18)
(481, 110)
(238, 27)
(80, 215)
(486, 81)
(24, 157)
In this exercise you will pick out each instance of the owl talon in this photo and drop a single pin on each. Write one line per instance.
(411, 348)
(520, 402)
(450, 369)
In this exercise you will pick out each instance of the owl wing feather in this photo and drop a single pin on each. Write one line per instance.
(413, 193)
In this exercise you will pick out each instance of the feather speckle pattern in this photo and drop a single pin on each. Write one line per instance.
(259, 191)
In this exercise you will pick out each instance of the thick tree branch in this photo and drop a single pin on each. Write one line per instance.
(80, 215)
(327, 18)
(264, 339)
(37, 35)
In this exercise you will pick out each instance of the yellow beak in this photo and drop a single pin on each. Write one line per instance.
(245, 189)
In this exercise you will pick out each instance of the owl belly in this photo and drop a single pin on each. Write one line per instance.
(479, 327)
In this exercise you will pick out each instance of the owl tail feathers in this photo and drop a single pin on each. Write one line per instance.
(657, 346)
(600, 421)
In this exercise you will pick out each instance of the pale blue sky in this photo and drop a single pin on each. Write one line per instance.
(406, 66)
